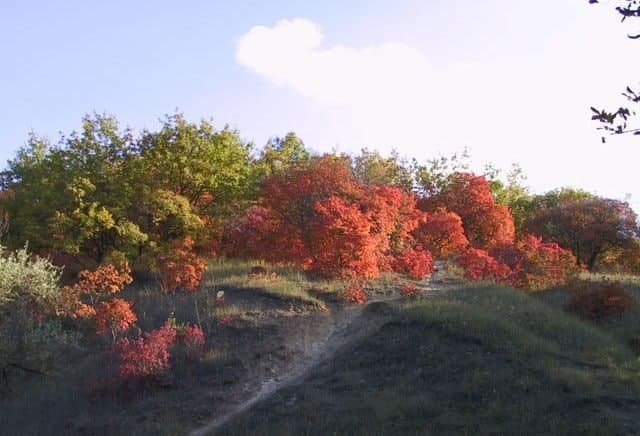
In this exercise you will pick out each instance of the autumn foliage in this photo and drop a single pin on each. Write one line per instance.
(599, 300)
(80, 300)
(146, 358)
(354, 293)
(114, 316)
(180, 267)
(535, 264)
(441, 232)
(529, 263)
(415, 262)
(479, 265)
(319, 217)
(486, 224)
(409, 290)
(106, 280)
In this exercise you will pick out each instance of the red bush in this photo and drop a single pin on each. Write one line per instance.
(106, 279)
(181, 268)
(479, 265)
(416, 262)
(191, 340)
(354, 293)
(535, 264)
(115, 316)
(441, 233)
(598, 300)
(146, 358)
(486, 224)
(409, 290)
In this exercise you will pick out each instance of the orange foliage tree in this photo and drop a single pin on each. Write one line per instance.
(180, 267)
(442, 233)
(486, 224)
(114, 316)
(80, 300)
(535, 264)
(320, 217)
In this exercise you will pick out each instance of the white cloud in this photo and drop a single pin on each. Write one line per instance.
(529, 109)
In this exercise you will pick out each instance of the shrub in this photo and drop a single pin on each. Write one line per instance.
(409, 290)
(415, 262)
(181, 268)
(479, 265)
(599, 300)
(115, 316)
(29, 296)
(535, 264)
(106, 280)
(354, 293)
(190, 342)
(146, 358)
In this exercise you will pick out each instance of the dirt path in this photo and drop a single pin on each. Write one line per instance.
(312, 342)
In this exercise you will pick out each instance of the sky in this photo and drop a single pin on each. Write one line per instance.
(512, 81)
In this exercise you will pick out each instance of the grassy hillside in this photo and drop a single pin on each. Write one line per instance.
(479, 360)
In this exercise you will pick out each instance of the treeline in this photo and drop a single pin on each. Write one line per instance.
(163, 200)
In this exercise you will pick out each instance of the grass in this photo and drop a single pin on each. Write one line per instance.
(58, 404)
(476, 360)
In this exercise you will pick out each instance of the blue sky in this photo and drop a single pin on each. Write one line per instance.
(512, 81)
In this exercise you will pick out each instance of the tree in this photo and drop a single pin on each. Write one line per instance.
(280, 154)
(373, 169)
(618, 122)
(320, 217)
(441, 232)
(469, 196)
(589, 227)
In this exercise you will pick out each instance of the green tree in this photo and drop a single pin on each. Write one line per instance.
(373, 169)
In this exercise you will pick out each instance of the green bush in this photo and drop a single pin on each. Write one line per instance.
(31, 334)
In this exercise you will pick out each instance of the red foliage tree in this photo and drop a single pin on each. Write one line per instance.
(181, 268)
(415, 262)
(441, 233)
(115, 316)
(486, 224)
(589, 227)
(535, 264)
(106, 279)
(321, 218)
(479, 265)
(79, 300)
(341, 243)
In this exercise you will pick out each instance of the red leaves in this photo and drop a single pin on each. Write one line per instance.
(181, 268)
(415, 262)
(479, 265)
(106, 279)
(409, 290)
(530, 263)
(598, 300)
(341, 241)
(146, 358)
(486, 224)
(115, 316)
(441, 233)
(535, 264)
(191, 340)
(94, 286)
(321, 218)
(354, 293)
